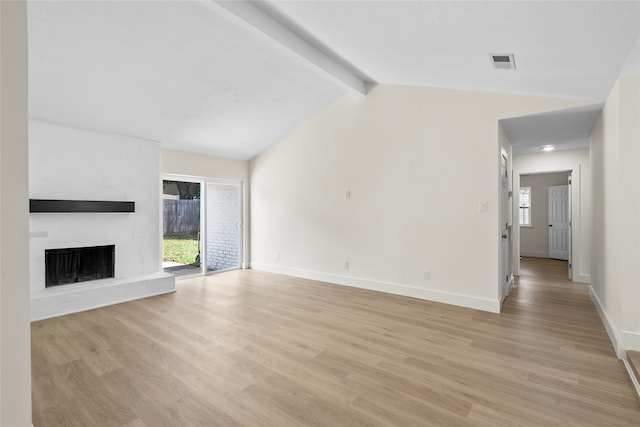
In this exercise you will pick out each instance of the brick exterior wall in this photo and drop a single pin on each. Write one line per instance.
(223, 205)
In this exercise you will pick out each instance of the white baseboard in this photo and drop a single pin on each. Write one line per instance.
(631, 340)
(582, 278)
(632, 375)
(534, 254)
(615, 338)
(67, 299)
(484, 304)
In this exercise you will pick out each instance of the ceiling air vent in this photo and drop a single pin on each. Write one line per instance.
(503, 61)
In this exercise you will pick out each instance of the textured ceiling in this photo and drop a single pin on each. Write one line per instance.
(195, 77)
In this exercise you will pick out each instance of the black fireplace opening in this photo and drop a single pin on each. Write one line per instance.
(73, 265)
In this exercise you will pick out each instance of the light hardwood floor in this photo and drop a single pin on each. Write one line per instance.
(251, 348)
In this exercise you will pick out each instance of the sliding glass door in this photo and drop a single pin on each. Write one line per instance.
(202, 225)
(223, 247)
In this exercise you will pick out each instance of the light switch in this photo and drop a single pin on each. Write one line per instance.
(483, 206)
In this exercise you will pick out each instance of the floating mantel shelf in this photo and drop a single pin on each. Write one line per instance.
(53, 206)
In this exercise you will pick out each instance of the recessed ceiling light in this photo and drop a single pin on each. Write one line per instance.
(503, 61)
(548, 148)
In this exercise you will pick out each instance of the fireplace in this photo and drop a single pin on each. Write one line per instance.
(73, 265)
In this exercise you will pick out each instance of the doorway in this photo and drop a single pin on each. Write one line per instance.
(544, 222)
(505, 229)
(202, 225)
(181, 226)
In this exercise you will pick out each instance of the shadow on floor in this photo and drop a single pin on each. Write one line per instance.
(181, 269)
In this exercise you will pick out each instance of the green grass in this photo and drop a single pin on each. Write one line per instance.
(180, 249)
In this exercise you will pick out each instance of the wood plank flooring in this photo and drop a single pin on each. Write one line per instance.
(251, 348)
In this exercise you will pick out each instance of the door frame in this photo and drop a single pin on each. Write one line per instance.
(203, 181)
(183, 178)
(505, 264)
(574, 197)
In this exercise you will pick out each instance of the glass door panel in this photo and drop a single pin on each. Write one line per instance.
(181, 227)
(224, 226)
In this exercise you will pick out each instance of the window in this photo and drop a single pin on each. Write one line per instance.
(525, 206)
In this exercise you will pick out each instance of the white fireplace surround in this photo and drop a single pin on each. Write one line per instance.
(67, 299)
(72, 164)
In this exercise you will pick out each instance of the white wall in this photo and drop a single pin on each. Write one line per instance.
(616, 194)
(15, 330)
(73, 164)
(199, 165)
(578, 161)
(630, 208)
(417, 161)
(534, 240)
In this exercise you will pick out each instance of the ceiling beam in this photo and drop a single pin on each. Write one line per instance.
(255, 18)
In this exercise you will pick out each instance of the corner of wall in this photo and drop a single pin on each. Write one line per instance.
(15, 349)
(582, 278)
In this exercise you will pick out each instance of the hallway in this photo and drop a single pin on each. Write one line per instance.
(546, 303)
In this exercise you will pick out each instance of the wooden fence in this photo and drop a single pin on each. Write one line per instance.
(181, 217)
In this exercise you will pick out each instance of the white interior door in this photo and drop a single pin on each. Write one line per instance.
(559, 222)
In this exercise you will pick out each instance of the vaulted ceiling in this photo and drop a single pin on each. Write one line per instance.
(231, 78)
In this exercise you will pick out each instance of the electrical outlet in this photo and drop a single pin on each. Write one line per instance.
(277, 256)
(347, 194)
(346, 265)
(427, 275)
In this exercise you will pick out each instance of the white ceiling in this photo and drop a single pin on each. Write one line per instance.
(204, 77)
(561, 48)
(564, 129)
(177, 72)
